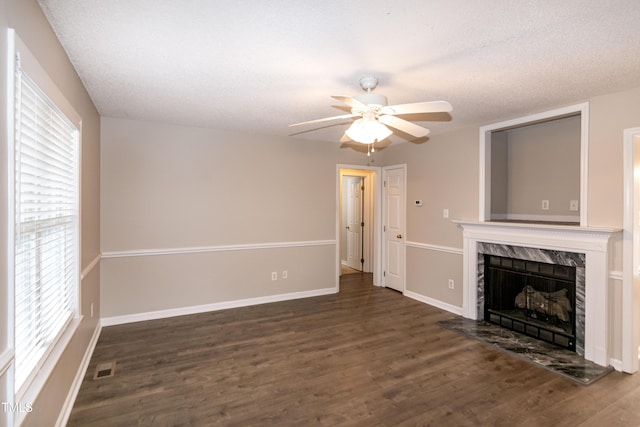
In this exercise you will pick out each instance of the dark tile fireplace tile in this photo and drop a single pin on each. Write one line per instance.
(561, 361)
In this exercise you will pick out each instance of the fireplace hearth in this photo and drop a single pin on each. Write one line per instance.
(559, 360)
(531, 297)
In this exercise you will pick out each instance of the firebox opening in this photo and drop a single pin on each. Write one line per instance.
(534, 298)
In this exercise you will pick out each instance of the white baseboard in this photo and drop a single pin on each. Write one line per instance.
(63, 417)
(616, 364)
(434, 302)
(172, 312)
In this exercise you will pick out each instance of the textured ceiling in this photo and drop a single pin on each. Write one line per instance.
(257, 66)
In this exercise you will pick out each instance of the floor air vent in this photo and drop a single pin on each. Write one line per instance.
(105, 370)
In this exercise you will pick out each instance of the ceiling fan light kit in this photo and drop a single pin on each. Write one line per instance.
(368, 131)
(374, 114)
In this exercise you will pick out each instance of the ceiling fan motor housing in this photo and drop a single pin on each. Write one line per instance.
(368, 83)
(372, 99)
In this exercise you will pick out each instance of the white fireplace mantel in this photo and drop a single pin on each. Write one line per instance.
(591, 241)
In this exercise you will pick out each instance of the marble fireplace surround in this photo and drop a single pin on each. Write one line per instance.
(584, 247)
(570, 259)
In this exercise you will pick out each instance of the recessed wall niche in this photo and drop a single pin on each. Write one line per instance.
(533, 169)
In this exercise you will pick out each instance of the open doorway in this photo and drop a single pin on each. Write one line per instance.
(352, 231)
(372, 219)
(356, 220)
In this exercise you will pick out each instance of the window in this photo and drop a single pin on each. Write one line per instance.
(46, 225)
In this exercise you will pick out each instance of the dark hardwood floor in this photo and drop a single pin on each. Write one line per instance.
(367, 356)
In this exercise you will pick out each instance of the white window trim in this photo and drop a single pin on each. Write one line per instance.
(33, 386)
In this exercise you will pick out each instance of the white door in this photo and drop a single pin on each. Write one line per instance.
(393, 178)
(354, 222)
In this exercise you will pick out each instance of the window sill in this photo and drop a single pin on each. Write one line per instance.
(30, 391)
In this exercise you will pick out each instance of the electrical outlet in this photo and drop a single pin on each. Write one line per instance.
(285, 274)
(445, 213)
(545, 205)
(274, 275)
(451, 284)
(573, 205)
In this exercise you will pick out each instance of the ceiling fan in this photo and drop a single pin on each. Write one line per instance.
(375, 115)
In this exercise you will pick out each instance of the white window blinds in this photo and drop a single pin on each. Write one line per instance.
(46, 239)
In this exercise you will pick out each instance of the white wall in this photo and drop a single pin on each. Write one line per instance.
(228, 206)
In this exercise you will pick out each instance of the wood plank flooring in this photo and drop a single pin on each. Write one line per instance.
(367, 356)
(348, 270)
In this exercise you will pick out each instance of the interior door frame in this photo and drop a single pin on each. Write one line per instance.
(631, 249)
(376, 266)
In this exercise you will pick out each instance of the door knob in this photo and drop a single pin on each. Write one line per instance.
(399, 236)
(347, 227)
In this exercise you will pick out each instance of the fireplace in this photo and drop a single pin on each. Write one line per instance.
(584, 248)
(531, 297)
(544, 271)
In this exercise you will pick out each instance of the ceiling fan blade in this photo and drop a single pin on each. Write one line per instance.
(351, 102)
(345, 138)
(326, 119)
(404, 126)
(418, 107)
